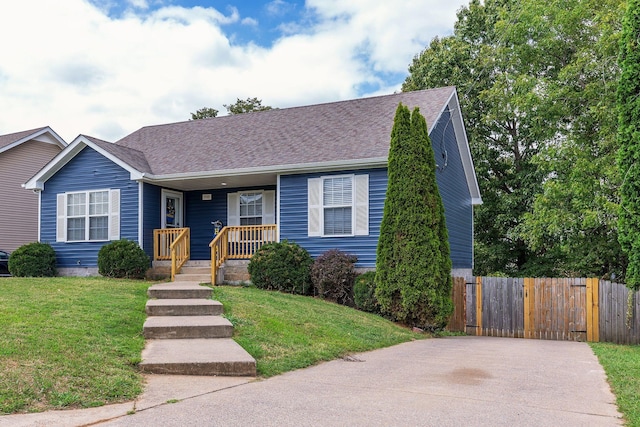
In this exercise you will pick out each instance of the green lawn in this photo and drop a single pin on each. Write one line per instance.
(622, 365)
(76, 342)
(69, 342)
(285, 332)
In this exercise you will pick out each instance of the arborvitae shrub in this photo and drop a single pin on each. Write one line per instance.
(364, 293)
(123, 259)
(332, 274)
(413, 266)
(282, 266)
(33, 260)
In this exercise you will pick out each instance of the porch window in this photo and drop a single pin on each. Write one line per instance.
(251, 208)
(88, 216)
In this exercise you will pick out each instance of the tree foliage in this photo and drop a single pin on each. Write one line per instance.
(537, 89)
(204, 113)
(413, 265)
(248, 105)
(629, 140)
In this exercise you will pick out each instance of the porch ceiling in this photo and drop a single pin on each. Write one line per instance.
(215, 182)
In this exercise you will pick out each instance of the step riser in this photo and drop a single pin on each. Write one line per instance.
(200, 278)
(239, 369)
(196, 270)
(182, 310)
(203, 293)
(181, 332)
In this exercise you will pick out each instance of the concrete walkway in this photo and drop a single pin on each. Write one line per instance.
(470, 381)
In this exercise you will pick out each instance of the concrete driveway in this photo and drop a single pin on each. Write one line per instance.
(456, 381)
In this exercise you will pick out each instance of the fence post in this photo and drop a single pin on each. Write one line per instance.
(529, 308)
(478, 306)
(593, 313)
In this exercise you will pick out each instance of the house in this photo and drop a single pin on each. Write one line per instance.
(22, 154)
(315, 175)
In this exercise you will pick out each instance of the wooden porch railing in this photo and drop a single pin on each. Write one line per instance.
(239, 242)
(172, 244)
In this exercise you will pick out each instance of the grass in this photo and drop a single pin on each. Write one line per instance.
(76, 342)
(285, 332)
(69, 342)
(622, 365)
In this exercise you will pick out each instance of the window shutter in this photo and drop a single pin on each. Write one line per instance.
(114, 214)
(233, 209)
(61, 218)
(269, 207)
(314, 189)
(361, 217)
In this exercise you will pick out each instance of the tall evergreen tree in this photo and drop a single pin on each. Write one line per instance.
(629, 141)
(413, 267)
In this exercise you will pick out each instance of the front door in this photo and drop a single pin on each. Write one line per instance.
(172, 209)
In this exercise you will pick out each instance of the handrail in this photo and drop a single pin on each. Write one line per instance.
(180, 251)
(238, 242)
(162, 240)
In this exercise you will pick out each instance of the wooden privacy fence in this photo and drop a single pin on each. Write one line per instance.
(576, 309)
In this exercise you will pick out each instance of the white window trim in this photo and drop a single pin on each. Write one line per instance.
(113, 216)
(323, 206)
(268, 206)
(359, 205)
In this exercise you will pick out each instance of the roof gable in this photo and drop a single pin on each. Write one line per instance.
(44, 134)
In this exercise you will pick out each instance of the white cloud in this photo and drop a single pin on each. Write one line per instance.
(80, 71)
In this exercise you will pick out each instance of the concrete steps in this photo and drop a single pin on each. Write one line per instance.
(187, 336)
(183, 307)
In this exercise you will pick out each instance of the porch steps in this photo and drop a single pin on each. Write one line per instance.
(233, 271)
(187, 336)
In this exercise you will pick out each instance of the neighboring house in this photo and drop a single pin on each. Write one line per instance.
(318, 172)
(22, 154)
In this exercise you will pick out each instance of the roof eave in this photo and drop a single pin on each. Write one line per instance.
(275, 169)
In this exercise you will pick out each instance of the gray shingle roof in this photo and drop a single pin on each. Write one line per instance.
(340, 131)
(9, 139)
(132, 157)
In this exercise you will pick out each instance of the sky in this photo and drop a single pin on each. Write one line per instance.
(106, 68)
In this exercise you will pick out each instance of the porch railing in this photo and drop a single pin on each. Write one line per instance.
(239, 242)
(172, 244)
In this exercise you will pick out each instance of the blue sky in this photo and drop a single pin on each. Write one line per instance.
(108, 67)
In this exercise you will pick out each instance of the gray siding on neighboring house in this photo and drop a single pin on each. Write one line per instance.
(88, 170)
(19, 207)
(294, 216)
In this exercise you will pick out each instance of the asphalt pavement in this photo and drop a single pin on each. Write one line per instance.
(454, 381)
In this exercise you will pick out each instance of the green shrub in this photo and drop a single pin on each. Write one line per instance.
(364, 293)
(332, 274)
(33, 260)
(123, 259)
(282, 266)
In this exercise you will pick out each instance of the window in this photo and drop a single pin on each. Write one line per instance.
(338, 206)
(88, 216)
(256, 207)
(337, 202)
(251, 208)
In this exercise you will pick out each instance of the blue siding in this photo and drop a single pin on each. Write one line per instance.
(200, 213)
(151, 205)
(453, 190)
(88, 170)
(293, 217)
